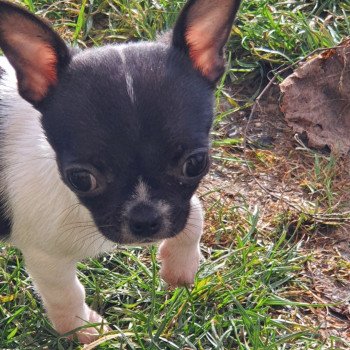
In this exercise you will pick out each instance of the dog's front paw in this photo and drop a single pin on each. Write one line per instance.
(179, 266)
(67, 323)
(89, 334)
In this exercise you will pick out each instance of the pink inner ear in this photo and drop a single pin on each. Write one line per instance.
(47, 60)
(206, 35)
(203, 51)
(39, 65)
(44, 75)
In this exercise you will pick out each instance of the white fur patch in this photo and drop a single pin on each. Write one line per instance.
(130, 87)
(180, 255)
(141, 192)
(128, 78)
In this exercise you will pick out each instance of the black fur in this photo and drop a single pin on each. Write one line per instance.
(5, 224)
(126, 113)
(91, 119)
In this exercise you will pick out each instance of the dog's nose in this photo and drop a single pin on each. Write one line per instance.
(144, 220)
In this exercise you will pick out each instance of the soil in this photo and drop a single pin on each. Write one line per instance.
(281, 180)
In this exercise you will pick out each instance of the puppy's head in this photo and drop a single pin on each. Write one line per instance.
(129, 123)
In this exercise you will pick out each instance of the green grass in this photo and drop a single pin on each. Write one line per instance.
(234, 304)
(248, 292)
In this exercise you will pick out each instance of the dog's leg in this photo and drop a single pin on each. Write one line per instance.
(63, 295)
(180, 256)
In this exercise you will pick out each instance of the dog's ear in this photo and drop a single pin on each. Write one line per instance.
(35, 51)
(202, 30)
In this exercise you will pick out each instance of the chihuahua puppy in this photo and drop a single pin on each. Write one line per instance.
(105, 146)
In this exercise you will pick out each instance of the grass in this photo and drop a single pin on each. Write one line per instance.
(233, 305)
(251, 292)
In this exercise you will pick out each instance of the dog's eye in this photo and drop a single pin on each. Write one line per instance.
(82, 180)
(195, 164)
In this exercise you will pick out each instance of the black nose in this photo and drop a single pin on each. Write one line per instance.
(144, 220)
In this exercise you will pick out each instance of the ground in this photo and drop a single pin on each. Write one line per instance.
(277, 173)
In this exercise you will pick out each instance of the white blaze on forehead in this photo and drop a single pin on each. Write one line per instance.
(129, 86)
(128, 78)
(141, 192)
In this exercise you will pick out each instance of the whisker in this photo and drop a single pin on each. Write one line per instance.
(70, 209)
(193, 225)
(95, 240)
(82, 229)
(79, 224)
(85, 237)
